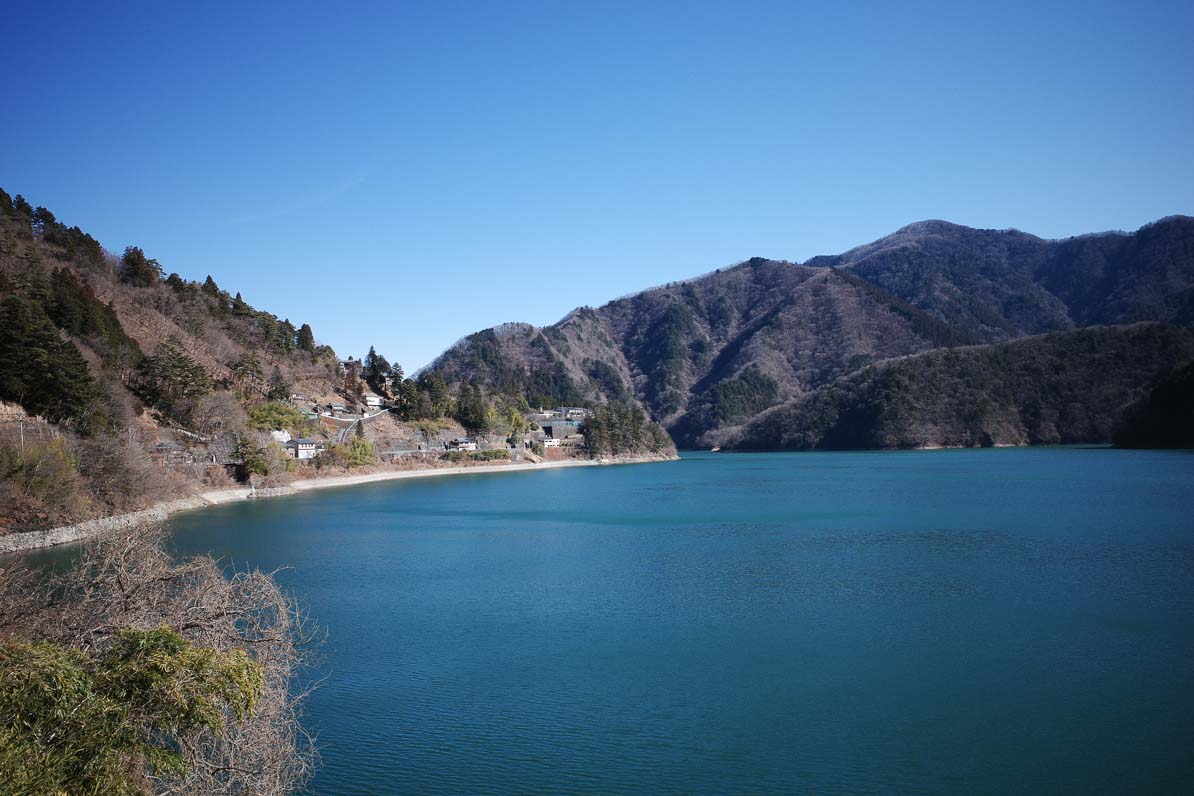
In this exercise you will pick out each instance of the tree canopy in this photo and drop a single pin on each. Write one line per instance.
(38, 368)
(80, 721)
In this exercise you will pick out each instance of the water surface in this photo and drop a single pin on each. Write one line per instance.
(922, 622)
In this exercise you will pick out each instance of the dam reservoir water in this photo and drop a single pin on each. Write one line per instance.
(987, 621)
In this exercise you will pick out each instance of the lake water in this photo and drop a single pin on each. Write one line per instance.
(988, 621)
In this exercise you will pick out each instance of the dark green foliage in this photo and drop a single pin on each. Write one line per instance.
(358, 452)
(550, 385)
(434, 390)
(137, 270)
(397, 376)
(558, 339)
(41, 224)
(471, 409)
(75, 721)
(250, 459)
(376, 371)
(284, 335)
(275, 416)
(306, 339)
(937, 332)
(76, 310)
(608, 380)
(1163, 419)
(240, 307)
(748, 394)
(38, 369)
(278, 389)
(171, 382)
(727, 403)
(615, 429)
(1066, 387)
(663, 355)
(247, 376)
(406, 404)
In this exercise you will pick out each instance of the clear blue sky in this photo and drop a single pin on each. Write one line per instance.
(404, 174)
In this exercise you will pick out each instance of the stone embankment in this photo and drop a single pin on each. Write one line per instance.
(34, 540)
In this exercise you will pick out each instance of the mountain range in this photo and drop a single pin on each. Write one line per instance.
(708, 356)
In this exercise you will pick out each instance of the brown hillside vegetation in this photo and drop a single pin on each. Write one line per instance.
(123, 385)
(708, 355)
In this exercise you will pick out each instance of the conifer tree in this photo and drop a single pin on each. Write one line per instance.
(306, 339)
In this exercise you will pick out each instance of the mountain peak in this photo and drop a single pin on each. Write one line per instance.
(931, 226)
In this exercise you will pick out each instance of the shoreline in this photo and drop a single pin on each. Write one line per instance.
(159, 512)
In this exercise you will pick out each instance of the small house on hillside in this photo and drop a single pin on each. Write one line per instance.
(303, 448)
(373, 401)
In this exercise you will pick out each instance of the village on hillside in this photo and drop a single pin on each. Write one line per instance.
(302, 434)
(559, 429)
(122, 386)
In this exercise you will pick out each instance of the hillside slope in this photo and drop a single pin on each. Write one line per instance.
(1058, 388)
(122, 385)
(707, 355)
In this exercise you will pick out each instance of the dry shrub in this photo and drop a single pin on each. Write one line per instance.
(39, 485)
(130, 580)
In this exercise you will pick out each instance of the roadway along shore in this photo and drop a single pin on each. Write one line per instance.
(67, 534)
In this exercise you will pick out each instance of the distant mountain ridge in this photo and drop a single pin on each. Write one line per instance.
(707, 355)
(1067, 387)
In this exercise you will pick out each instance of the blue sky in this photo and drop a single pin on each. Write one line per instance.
(405, 173)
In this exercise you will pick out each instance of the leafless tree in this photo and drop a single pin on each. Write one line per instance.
(130, 580)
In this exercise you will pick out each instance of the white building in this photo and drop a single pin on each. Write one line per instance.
(303, 448)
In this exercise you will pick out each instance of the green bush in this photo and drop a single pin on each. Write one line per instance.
(475, 456)
(86, 722)
(359, 452)
(275, 416)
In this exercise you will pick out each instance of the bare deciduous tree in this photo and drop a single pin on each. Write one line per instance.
(129, 580)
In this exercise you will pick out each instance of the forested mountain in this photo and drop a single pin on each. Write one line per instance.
(706, 356)
(122, 384)
(1058, 388)
(1164, 418)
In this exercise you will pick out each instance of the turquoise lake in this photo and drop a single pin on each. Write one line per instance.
(988, 621)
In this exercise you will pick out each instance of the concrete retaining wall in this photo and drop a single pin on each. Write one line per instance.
(33, 540)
